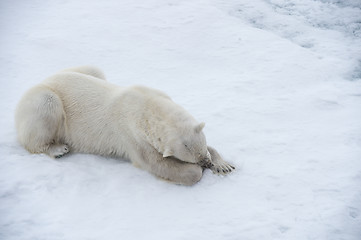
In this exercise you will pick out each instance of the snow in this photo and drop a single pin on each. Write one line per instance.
(277, 83)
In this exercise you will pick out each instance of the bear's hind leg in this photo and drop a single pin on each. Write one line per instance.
(39, 121)
(57, 150)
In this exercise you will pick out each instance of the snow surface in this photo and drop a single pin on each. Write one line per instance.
(278, 83)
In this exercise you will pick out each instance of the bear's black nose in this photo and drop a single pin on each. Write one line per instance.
(206, 163)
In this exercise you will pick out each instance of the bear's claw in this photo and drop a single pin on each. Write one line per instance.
(222, 168)
(58, 150)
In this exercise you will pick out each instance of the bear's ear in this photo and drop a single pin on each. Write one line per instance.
(199, 127)
(167, 153)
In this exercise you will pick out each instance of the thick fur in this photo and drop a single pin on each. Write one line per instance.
(78, 110)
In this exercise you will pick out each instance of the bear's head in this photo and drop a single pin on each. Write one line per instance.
(189, 146)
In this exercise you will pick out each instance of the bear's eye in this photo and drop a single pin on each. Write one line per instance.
(186, 146)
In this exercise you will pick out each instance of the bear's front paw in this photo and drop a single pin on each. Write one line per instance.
(222, 168)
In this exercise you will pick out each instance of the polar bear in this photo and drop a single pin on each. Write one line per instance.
(78, 110)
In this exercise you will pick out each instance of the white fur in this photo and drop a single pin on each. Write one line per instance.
(87, 70)
(77, 110)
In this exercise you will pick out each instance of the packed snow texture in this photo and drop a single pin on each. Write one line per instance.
(278, 83)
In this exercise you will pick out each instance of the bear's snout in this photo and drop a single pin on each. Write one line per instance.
(206, 163)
